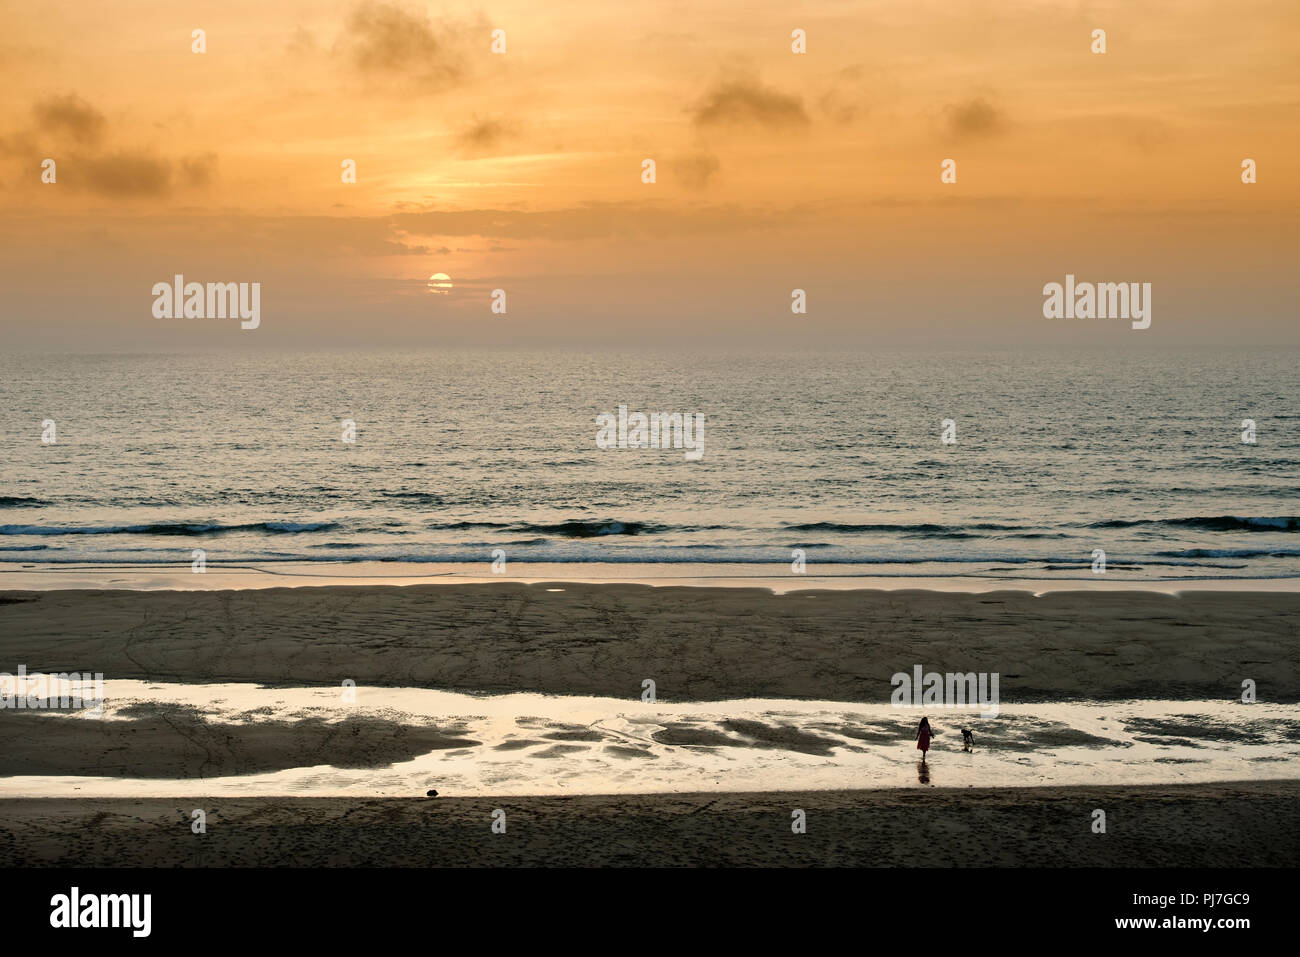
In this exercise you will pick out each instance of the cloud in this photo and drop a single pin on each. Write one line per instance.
(486, 136)
(744, 101)
(71, 116)
(83, 163)
(123, 174)
(595, 221)
(838, 107)
(199, 169)
(355, 236)
(694, 170)
(386, 41)
(388, 248)
(975, 117)
(845, 100)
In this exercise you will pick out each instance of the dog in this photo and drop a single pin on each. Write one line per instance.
(967, 739)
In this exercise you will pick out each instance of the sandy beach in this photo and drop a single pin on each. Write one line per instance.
(226, 701)
(697, 644)
(1227, 825)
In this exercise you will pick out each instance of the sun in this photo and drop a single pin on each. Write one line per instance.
(440, 283)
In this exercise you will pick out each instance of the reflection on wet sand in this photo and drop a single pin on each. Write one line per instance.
(170, 739)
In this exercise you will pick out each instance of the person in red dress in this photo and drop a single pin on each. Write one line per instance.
(923, 737)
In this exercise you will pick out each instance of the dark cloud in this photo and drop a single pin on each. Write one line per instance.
(135, 174)
(975, 117)
(744, 101)
(695, 170)
(486, 136)
(123, 174)
(385, 40)
(76, 128)
(70, 116)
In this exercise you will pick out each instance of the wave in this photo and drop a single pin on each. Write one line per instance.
(1212, 523)
(1217, 523)
(852, 527)
(1232, 553)
(166, 528)
(418, 498)
(575, 527)
(600, 528)
(20, 501)
(922, 529)
(460, 526)
(581, 528)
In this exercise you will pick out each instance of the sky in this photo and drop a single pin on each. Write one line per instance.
(522, 170)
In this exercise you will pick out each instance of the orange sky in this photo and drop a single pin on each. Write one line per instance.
(522, 171)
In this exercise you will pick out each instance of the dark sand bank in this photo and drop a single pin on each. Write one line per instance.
(697, 643)
(1207, 825)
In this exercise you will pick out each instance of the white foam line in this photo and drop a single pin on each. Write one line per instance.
(47, 577)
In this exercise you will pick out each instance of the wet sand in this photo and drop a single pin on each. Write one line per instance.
(179, 740)
(696, 643)
(1229, 825)
(224, 576)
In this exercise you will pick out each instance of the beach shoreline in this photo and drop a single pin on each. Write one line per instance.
(775, 578)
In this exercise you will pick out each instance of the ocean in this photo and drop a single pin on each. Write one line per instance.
(841, 456)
